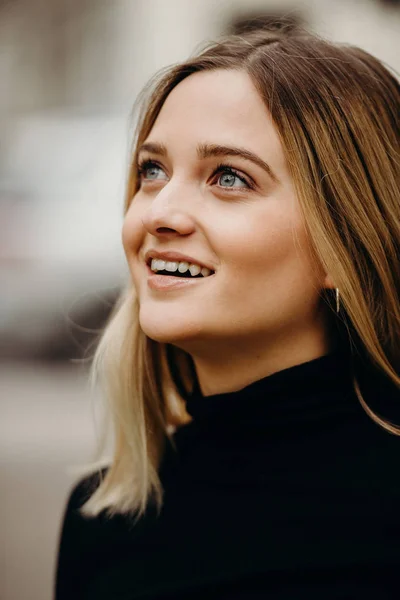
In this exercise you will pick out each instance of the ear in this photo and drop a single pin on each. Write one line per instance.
(328, 282)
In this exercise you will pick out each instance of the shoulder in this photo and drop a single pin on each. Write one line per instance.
(83, 489)
(79, 537)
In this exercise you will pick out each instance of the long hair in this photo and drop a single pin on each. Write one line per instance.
(336, 110)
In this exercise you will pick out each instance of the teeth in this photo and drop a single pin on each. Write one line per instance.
(194, 270)
(172, 266)
(157, 265)
(183, 267)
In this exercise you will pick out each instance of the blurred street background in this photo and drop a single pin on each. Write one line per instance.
(70, 71)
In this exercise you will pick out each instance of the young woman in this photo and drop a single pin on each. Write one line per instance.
(252, 364)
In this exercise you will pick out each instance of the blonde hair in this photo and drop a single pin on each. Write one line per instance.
(336, 109)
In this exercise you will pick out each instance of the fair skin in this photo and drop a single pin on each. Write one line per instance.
(260, 312)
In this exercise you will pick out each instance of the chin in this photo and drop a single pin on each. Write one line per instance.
(169, 330)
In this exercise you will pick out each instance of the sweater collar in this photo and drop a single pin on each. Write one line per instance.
(302, 392)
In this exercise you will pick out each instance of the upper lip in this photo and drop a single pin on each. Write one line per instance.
(172, 256)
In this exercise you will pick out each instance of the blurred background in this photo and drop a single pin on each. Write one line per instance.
(70, 71)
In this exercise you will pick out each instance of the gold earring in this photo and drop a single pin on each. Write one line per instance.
(337, 300)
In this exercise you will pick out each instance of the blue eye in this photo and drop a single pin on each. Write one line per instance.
(229, 178)
(151, 170)
(225, 176)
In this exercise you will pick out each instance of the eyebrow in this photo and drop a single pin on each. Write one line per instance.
(209, 150)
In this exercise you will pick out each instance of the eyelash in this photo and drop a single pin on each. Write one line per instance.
(220, 169)
(227, 168)
(146, 164)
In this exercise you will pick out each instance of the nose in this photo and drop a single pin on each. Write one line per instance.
(168, 213)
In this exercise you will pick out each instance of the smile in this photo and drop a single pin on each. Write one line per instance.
(179, 269)
(173, 280)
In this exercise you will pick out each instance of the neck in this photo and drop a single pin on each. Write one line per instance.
(237, 365)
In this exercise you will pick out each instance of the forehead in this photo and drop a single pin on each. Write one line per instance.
(221, 107)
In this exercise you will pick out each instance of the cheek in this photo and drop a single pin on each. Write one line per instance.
(258, 244)
(132, 231)
(267, 255)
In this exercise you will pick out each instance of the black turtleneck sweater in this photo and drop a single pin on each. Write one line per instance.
(285, 489)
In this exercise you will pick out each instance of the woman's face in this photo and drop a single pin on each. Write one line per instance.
(215, 187)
